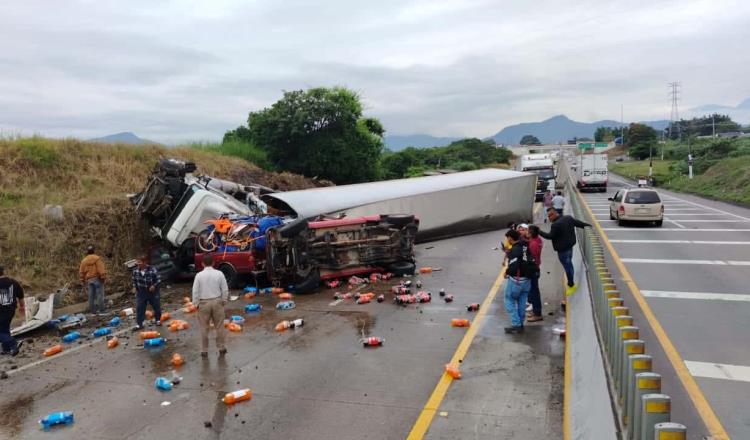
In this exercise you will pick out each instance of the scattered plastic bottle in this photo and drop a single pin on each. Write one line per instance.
(177, 325)
(154, 342)
(297, 323)
(57, 418)
(406, 283)
(442, 292)
(102, 332)
(424, 297)
(285, 305)
(149, 334)
(165, 316)
(149, 314)
(113, 342)
(448, 298)
(363, 300)
(277, 290)
(250, 289)
(266, 290)
(53, 350)
(472, 307)
(286, 296)
(237, 319)
(114, 322)
(425, 270)
(250, 308)
(453, 371)
(237, 396)
(190, 308)
(70, 337)
(163, 384)
(234, 327)
(405, 299)
(339, 295)
(63, 318)
(250, 295)
(283, 325)
(457, 322)
(177, 360)
(372, 341)
(381, 298)
(419, 284)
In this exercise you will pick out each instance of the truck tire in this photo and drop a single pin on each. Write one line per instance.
(293, 228)
(230, 274)
(308, 284)
(398, 219)
(401, 268)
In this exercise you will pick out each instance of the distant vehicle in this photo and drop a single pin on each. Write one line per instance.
(636, 204)
(591, 173)
(619, 159)
(544, 168)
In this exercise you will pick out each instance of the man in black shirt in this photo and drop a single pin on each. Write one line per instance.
(11, 296)
(521, 267)
(563, 236)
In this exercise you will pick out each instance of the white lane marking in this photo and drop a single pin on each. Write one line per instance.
(676, 230)
(739, 373)
(706, 220)
(674, 222)
(672, 213)
(680, 242)
(696, 295)
(703, 262)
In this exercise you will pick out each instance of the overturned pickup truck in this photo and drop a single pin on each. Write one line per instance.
(198, 215)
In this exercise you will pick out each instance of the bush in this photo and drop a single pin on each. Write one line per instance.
(237, 148)
(38, 152)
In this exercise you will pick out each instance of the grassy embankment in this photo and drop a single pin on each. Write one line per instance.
(90, 181)
(728, 179)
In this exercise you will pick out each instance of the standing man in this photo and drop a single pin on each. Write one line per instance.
(547, 201)
(210, 294)
(146, 283)
(11, 296)
(93, 275)
(535, 296)
(518, 275)
(563, 235)
(558, 202)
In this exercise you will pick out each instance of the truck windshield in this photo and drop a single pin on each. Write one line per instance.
(545, 174)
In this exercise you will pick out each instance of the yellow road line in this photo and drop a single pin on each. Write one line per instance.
(696, 395)
(568, 372)
(424, 420)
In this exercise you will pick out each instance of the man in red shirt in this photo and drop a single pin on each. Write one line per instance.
(535, 248)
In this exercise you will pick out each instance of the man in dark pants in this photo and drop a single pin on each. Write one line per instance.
(146, 282)
(563, 236)
(11, 296)
(521, 268)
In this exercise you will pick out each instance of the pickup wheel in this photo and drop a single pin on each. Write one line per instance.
(401, 268)
(398, 219)
(230, 274)
(308, 284)
(293, 228)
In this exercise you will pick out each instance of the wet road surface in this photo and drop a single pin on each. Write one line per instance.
(315, 382)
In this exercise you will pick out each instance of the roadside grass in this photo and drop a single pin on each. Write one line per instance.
(633, 169)
(90, 181)
(243, 150)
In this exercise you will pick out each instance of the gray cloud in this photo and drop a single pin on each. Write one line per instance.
(183, 70)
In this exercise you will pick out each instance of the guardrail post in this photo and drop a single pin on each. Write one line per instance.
(608, 317)
(629, 347)
(625, 333)
(645, 383)
(620, 321)
(613, 330)
(670, 431)
(656, 409)
(637, 363)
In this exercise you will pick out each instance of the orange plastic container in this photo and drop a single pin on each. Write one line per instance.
(277, 290)
(283, 325)
(178, 324)
(452, 371)
(165, 316)
(149, 314)
(370, 295)
(53, 350)
(425, 269)
(455, 322)
(149, 334)
(250, 295)
(286, 296)
(237, 396)
(190, 308)
(114, 342)
(234, 327)
(177, 360)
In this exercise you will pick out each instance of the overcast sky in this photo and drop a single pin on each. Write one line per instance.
(189, 70)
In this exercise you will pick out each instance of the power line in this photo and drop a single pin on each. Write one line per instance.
(674, 114)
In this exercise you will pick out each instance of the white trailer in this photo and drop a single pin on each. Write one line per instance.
(592, 173)
(544, 168)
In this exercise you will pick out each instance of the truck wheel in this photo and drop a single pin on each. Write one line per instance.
(230, 274)
(293, 228)
(308, 284)
(398, 219)
(401, 268)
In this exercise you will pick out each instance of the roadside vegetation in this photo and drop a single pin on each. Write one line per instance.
(89, 180)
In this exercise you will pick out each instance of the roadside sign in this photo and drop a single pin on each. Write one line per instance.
(589, 145)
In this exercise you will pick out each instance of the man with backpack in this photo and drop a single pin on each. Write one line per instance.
(521, 268)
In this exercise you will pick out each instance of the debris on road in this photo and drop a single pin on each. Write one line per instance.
(177, 360)
(453, 371)
(474, 307)
(234, 327)
(154, 342)
(53, 350)
(250, 308)
(285, 305)
(458, 322)
(237, 396)
(285, 296)
(381, 298)
(126, 312)
(165, 316)
(372, 341)
(114, 342)
(448, 298)
(442, 292)
(102, 332)
(149, 334)
(429, 269)
(177, 325)
(57, 418)
(424, 297)
(114, 322)
(71, 337)
(284, 325)
(163, 384)
(190, 308)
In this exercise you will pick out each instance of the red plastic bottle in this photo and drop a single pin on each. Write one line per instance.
(373, 341)
(53, 350)
(456, 322)
(472, 307)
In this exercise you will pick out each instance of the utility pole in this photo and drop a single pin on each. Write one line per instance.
(713, 125)
(650, 160)
(690, 161)
(674, 114)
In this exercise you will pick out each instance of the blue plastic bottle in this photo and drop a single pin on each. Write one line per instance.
(114, 322)
(285, 305)
(250, 308)
(102, 332)
(162, 383)
(154, 342)
(70, 337)
(64, 317)
(249, 289)
(57, 418)
(266, 290)
(237, 319)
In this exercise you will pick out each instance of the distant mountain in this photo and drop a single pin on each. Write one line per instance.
(559, 129)
(740, 113)
(125, 137)
(399, 142)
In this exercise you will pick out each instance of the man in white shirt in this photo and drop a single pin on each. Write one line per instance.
(558, 202)
(210, 294)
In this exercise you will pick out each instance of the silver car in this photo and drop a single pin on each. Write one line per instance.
(636, 204)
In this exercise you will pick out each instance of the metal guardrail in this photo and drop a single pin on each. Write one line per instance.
(643, 412)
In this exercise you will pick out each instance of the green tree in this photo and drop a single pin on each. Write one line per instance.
(606, 134)
(640, 139)
(239, 134)
(530, 140)
(320, 132)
